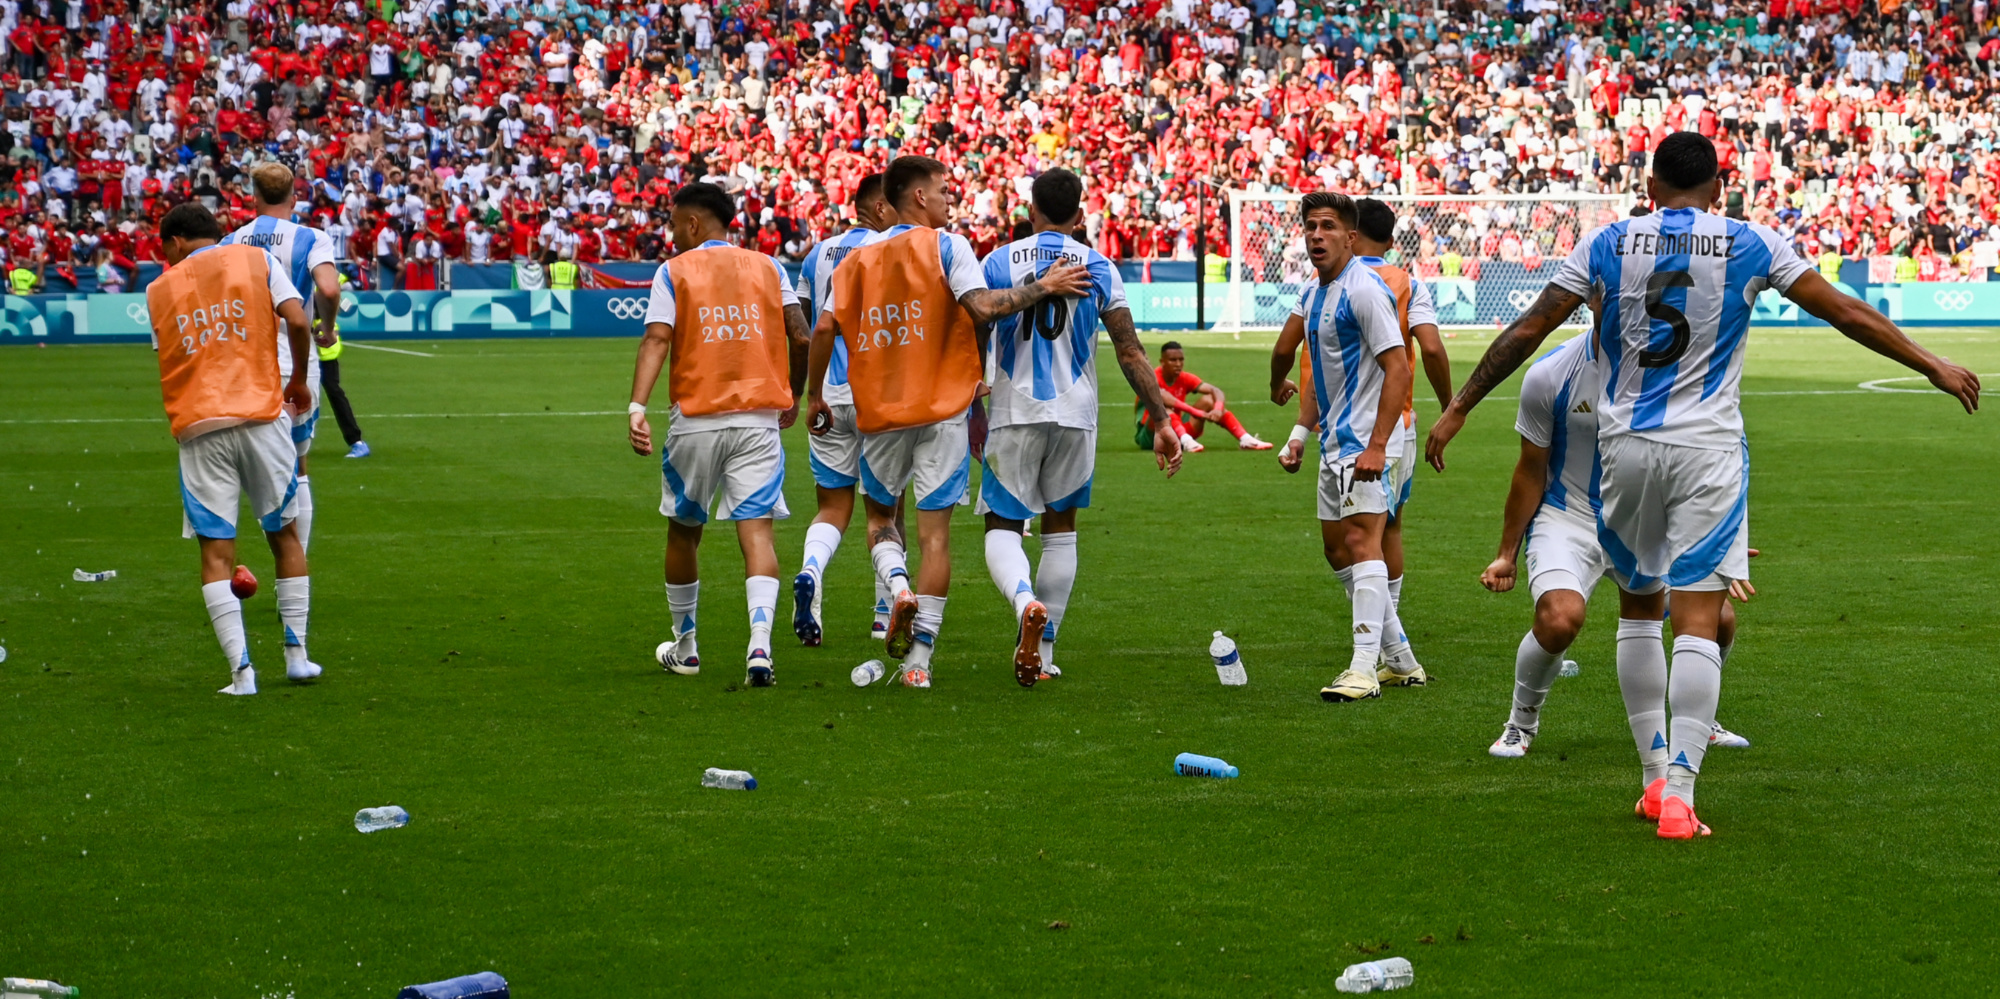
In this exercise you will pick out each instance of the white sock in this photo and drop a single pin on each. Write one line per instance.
(1007, 563)
(930, 618)
(302, 513)
(1371, 601)
(892, 570)
(763, 595)
(1346, 577)
(1396, 649)
(1642, 679)
(1693, 689)
(681, 601)
(294, 603)
(1055, 577)
(1534, 673)
(882, 598)
(822, 540)
(225, 612)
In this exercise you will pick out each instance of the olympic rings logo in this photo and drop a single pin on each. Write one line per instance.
(627, 308)
(1521, 298)
(136, 311)
(1952, 301)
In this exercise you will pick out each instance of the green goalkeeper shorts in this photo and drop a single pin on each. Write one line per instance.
(1142, 434)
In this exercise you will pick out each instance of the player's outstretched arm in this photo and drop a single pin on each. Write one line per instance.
(1138, 372)
(1524, 497)
(798, 337)
(1437, 366)
(1284, 354)
(645, 374)
(819, 356)
(988, 304)
(1509, 351)
(293, 312)
(1863, 324)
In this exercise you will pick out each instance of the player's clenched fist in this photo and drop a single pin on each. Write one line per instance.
(1499, 575)
(1292, 455)
(819, 417)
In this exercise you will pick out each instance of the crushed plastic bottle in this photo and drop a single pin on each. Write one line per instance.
(36, 988)
(93, 577)
(484, 985)
(728, 780)
(868, 672)
(1196, 765)
(1376, 976)
(370, 820)
(1570, 668)
(1228, 664)
(3, 653)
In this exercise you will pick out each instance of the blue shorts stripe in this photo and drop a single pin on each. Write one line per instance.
(953, 491)
(997, 498)
(207, 523)
(826, 476)
(764, 501)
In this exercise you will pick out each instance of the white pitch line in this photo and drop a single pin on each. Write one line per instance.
(391, 350)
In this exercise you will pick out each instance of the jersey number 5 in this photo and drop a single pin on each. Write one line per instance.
(1656, 290)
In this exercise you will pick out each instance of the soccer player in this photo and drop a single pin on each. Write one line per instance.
(1677, 288)
(1358, 373)
(216, 315)
(1418, 320)
(906, 304)
(835, 455)
(1554, 502)
(1041, 452)
(306, 254)
(1195, 403)
(735, 379)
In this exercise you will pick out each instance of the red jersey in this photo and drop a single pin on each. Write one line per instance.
(1179, 387)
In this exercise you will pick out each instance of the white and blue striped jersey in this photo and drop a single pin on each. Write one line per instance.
(816, 281)
(1043, 362)
(1559, 399)
(1350, 322)
(298, 249)
(1678, 287)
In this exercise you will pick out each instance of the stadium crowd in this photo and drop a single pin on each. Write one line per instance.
(493, 130)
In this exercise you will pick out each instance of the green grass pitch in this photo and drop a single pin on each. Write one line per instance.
(487, 596)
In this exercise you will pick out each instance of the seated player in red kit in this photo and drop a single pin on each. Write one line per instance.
(1192, 404)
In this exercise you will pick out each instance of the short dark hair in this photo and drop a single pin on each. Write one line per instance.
(1684, 161)
(1375, 219)
(869, 189)
(1057, 194)
(1170, 345)
(709, 198)
(1339, 204)
(906, 172)
(189, 220)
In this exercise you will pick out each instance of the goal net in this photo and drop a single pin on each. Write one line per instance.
(1485, 257)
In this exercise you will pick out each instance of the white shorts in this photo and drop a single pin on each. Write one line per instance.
(835, 456)
(1563, 554)
(1340, 496)
(1406, 471)
(1035, 468)
(1674, 516)
(221, 467)
(302, 431)
(936, 458)
(737, 471)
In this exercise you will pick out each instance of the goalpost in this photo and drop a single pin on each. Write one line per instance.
(1484, 257)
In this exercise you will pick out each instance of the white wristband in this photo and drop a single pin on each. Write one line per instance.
(635, 407)
(1299, 434)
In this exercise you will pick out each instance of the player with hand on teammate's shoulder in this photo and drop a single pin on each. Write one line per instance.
(1357, 375)
(1677, 286)
(1041, 453)
(726, 324)
(908, 304)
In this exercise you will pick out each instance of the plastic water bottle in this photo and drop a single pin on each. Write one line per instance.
(370, 820)
(36, 987)
(92, 577)
(1228, 664)
(484, 985)
(868, 672)
(728, 780)
(1570, 668)
(1195, 765)
(1376, 976)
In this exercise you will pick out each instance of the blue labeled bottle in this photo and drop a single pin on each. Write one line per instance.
(1195, 765)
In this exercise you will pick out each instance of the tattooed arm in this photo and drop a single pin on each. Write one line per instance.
(798, 337)
(1138, 371)
(1510, 349)
(989, 304)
